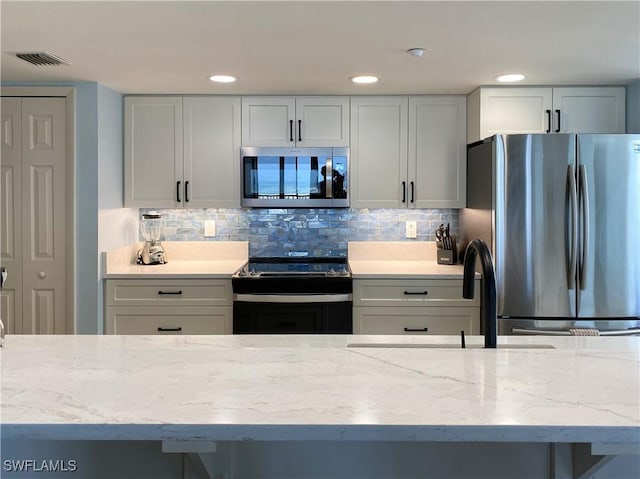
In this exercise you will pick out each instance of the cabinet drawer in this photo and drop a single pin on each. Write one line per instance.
(216, 320)
(167, 292)
(393, 292)
(416, 320)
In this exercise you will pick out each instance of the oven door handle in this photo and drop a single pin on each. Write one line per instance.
(549, 332)
(293, 298)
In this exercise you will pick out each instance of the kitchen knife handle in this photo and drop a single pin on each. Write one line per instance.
(186, 192)
(412, 192)
(548, 112)
(164, 330)
(416, 330)
(299, 130)
(290, 130)
(178, 192)
(584, 211)
(573, 211)
(404, 191)
(558, 125)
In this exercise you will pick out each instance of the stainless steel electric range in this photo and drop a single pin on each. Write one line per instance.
(293, 295)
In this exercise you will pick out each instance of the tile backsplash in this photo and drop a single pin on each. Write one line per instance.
(317, 232)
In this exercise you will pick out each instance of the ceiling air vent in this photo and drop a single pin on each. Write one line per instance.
(42, 59)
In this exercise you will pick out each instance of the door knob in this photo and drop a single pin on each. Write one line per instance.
(42, 275)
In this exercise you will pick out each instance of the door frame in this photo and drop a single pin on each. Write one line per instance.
(68, 93)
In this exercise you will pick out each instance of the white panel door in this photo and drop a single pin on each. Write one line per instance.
(322, 121)
(44, 189)
(268, 121)
(515, 110)
(211, 152)
(437, 151)
(11, 214)
(589, 110)
(153, 152)
(379, 152)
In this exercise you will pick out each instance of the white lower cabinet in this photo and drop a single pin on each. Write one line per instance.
(398, 306)
(168, 306)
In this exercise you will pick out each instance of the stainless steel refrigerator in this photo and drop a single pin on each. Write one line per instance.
(561, 213)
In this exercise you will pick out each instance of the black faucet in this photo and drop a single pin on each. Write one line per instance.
(489, 311)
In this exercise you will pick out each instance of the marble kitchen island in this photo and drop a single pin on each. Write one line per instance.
(191, 393)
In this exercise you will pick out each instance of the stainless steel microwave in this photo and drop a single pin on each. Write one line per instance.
(295, 177)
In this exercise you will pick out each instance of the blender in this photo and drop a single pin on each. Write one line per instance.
(151, 228)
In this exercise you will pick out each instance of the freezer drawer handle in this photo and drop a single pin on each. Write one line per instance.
(416, 330)
(170, 292)
(165, 330)
(421, 293)
(549, 332)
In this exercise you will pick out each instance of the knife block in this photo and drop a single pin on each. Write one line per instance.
(446, 256)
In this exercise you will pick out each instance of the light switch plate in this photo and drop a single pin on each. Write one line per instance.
(209, 228)
(412, 229)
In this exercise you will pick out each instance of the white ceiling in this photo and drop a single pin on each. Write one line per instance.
(313, 47)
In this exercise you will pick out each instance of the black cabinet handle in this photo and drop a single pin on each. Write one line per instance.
(175, 293)
(178, 191)
(299, 130)
(290, 130)
(186, 192)
(169, 329)
(415, 330)
(558, 128)
(422, 293)
(412, 189)
(404, 191)
(548, 120)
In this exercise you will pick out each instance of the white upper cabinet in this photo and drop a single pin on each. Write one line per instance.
(182, 152)
(408, 152)
(379, 129)
(295, 121)
(437, 151)
(545, 110)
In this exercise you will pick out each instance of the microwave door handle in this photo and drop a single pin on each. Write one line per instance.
(328, 178)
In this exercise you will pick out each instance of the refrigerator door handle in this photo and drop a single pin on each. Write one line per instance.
(584, 211)
(573, 253)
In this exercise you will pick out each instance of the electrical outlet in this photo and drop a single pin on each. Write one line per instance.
(209, 228)
(412, 229)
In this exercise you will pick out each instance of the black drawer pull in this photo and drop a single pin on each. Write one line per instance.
(170, 292)
(423, 293)
(416, 330)
(164, 330)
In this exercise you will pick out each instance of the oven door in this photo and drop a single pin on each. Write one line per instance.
(292, 314)
(294, 177)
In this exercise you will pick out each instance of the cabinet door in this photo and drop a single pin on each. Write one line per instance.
(211, 152)
(322, 121)
(415, 320)
(153, 152)
(215, 320)
(514, 110)
(268, 121)
(437, 151)
(589, 110)
(379, 152)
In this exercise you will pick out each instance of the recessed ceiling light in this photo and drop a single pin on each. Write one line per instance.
(222, 78)
(415, 52)
(364, 79)
(510, 77)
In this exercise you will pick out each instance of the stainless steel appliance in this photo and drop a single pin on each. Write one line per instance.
(151, 229)
(295, 177)
(293, 295)
(562, 215)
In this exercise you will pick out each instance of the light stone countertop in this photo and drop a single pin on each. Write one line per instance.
(186, 259)
(314, 387)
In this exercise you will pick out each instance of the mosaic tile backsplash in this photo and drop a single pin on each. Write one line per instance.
(316, 232)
